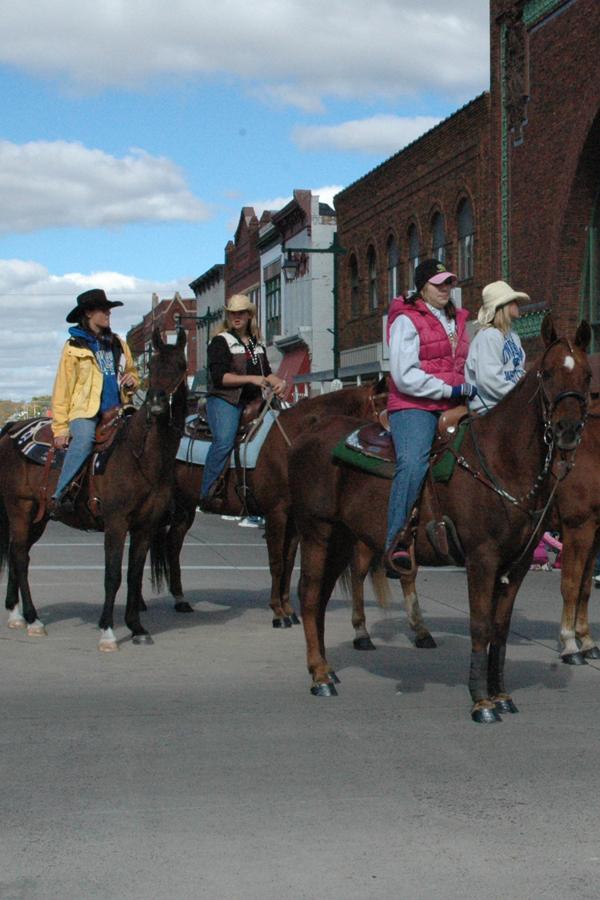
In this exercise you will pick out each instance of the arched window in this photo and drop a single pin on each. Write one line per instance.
(413, 254)
(393, 263)
(354, 295)
(372, 267)
(438, 238)
(466, 231)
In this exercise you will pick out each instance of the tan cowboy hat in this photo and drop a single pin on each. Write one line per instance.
(494, 296)
(240, 303)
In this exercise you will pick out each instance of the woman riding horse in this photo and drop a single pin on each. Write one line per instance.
(95, 374)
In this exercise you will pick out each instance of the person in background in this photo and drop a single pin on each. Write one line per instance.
(428, 348)
(496, 359)
(96, 372)
(238, 370)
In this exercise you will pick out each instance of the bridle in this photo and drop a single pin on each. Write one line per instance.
(548, 408)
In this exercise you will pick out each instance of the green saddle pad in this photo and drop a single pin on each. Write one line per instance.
(369, 464)
(441, 471)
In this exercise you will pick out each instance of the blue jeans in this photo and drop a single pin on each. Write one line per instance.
(413, 431)
(224, 420)
(80, 446)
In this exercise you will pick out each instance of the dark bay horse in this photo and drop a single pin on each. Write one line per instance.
(500, 490)
(269, 486)
(134, 495)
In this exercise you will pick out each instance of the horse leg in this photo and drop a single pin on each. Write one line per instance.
(362, 556)
(23, 535)
(577, 564)
(423, 638)
(481, 590)
(589, 648)
(16, 618)
(139, 542)
(504, 602)
(114, 542)
(282, 543)
(176, 533)
(324, 558)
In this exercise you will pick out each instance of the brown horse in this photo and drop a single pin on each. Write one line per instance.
(134, 495)
(578, 519)
(501, 488)
(269, 486)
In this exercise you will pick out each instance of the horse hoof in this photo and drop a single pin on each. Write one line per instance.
(574, 659)
(592, 653)
(36, 629)
(363, 643)
(17, 622)
(323, 690)
(182, 606)
(334, 677)
(282, 623)
(108, 646)
(425, 643)
(505, 705)
(142, 640)
(295, 619)
(486, 716)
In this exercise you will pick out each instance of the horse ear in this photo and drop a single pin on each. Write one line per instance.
(549, 335)
(583, 335)
(157, 341)
(381, 386)
(181, 339)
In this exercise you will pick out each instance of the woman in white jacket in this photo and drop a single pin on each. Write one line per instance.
(496, 359)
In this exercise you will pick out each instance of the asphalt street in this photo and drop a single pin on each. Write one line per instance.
(202, 767)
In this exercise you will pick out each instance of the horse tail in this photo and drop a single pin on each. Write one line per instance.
(380, 584)
(4, 535)
(159, 565)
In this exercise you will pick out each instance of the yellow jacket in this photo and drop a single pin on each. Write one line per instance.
(78, 384)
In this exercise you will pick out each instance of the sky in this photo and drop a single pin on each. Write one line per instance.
(132, 132)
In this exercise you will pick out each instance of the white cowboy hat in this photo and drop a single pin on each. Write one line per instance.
(240, 303)
(494, 296)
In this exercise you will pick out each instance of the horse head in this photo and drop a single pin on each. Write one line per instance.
(167, 372)
(564, 377)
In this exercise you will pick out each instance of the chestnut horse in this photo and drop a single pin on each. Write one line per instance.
(134, 495)
(268, 483)
(497, 498)
(578, 519)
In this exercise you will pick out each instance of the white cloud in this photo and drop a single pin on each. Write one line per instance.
(297, 53)
(50, 184)
(34, 304)
(382, 134)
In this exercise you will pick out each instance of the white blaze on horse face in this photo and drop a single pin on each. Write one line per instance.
(569, 363)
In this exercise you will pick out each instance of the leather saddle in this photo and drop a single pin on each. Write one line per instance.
(373, 441)
(198, 429)
(34, 438)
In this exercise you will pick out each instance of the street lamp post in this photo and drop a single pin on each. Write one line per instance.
(290, 270)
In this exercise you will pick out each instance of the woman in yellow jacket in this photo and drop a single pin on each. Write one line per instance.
(95, 367)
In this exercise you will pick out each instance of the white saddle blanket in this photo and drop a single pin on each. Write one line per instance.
(193, 451)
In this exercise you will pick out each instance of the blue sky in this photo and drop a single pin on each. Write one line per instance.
(133, 131)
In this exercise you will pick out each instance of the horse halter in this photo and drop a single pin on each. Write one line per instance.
(550, 404)
(160, 392)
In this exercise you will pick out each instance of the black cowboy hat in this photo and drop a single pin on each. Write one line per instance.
(94, 299)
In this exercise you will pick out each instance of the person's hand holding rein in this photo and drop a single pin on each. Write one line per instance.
(61, 441)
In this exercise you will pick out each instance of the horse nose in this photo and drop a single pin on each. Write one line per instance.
(157, 401)
(568, 433)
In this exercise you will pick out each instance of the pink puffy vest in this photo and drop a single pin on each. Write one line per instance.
(435, 353)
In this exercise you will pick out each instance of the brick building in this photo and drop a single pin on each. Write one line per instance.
(507, 187)
(167, 316)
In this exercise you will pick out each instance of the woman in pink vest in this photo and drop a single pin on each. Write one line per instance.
(428, 348)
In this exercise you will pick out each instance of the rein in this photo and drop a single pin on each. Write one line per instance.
(486, 477)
